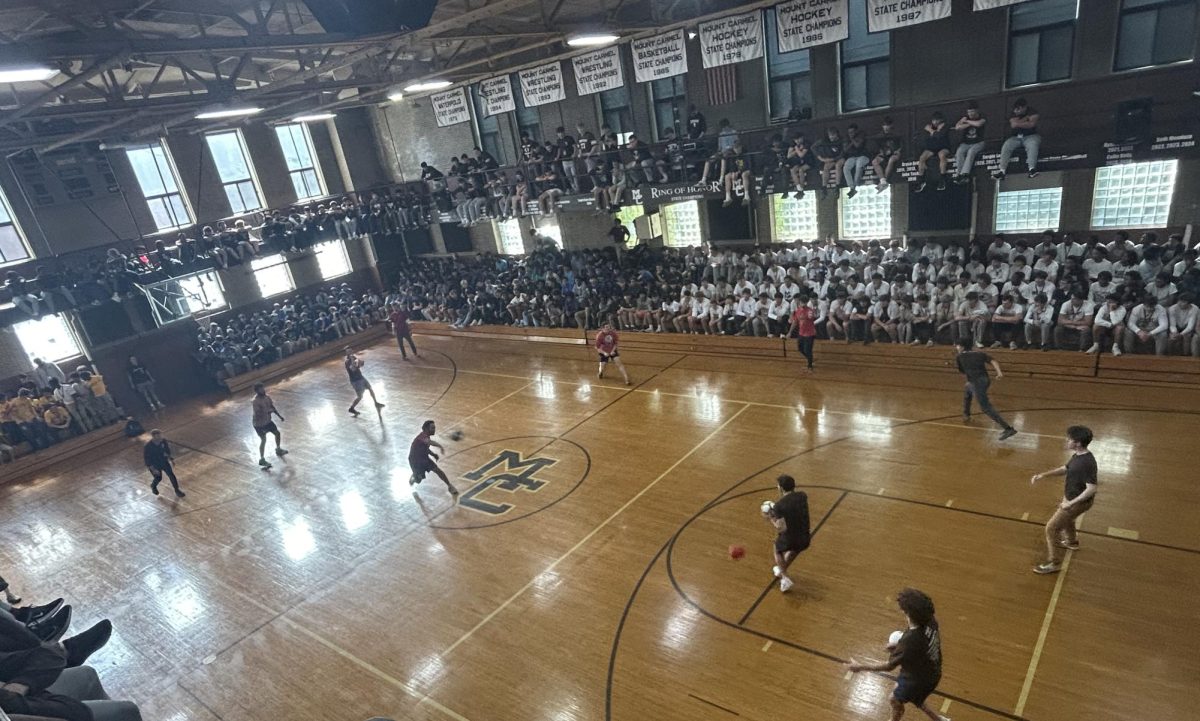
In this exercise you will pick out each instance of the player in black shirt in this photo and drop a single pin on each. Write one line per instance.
(973, 364)
(361, 385)
(1079, 494)
(918, 653)
(789, 516)
(158, 459)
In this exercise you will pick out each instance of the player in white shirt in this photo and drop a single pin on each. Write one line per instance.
(1006, 322)
(1039, 320)
(1109, 326)
(973, 316)
(1075, 322)
(1181, 325)
(1147, 324)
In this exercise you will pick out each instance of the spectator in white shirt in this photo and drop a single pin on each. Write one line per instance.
(1006, 322)
(957, 252)
(1147, 325)
(1127, 263)
(1021, 250)
(1099, 291)
(1098, 263)
(884, 319)
(1181, 325)
(838, 317)
(923, 313)
(1020, 265)
(1071, 248)
(975, 267)
(1109, 326)
(1039, 320)
(972, 316)
(1151, 263)
(1016, 287)
(744, 312)
(986, 289)
(682, 320)
(950, 270)
(1075, 322)
(876, 289)
(998, 270)
(1163, 289)
(1119, 246)
(1047, 243)
(1186, 263)
(999, 248)
(1048, 265)
(779, 312)
(901, 288)
(1040, 284)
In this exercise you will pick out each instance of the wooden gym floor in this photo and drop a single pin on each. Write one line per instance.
(595, 583)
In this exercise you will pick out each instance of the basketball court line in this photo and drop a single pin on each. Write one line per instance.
(554, 564)
(1041, 639)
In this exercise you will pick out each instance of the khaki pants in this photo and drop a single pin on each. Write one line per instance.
(1061, 527)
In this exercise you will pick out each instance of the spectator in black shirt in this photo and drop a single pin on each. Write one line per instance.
(585, 147)
(773, 160)
(564, 155)
(1023, 132)
(888, 149)
(1079, 494)
(484, 160)
(829, 152)
(937, 144)
(918, 653)
(970, 143)
(157, 456)
(697, 126)
(735, 167)
(800, 159)
(432, 177)
(856, 157)
(973, 364)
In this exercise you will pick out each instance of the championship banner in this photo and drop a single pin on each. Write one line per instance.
(891, 14)
(658, 57)
(806, 23)
(989, 4)
(543, 84)
(731, 39)
(598, 71)
(451, 107)
(497, 95)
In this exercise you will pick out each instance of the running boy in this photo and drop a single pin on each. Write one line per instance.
(361, 385)
(606, 347)
(789, 516)
(264, 408)
(421, 458)
(1078, 496)
(973, 364)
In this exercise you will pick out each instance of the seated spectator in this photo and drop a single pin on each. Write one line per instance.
(970, 143)
(1147, 326)
(972, 316)
(1163, 289)
(936, 144)
(24, 295)
(1109, 326)
(829, 152)
(735, 169)
(855, 159)
(888, 151)
(1181, 326)
(1007, 320)
(1023, 132)
(1075, 322)
(1039, 322)
(800, 160)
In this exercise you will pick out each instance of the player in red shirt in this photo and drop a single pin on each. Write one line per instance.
(399, 320)
(803, 320)
(422, 459)
(606, 346)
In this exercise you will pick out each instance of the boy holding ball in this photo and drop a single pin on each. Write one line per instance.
(789, 516)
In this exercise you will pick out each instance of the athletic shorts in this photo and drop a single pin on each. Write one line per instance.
(262, 431)
(421, 466)
(783, 544)
(606, 358)
(937, 146)
(911, 691)
(361, 386)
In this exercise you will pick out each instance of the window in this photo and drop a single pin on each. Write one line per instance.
(13, 248)
(301, 160)
(528, 119)
(228, 150)
(49, 338)
(1136, 195)
(669, 97)
(681, 224)
(615, 111)
(489, 130)
(866, 215)
(866, 71)
(272, 274)
(628, 216)
(159, 181)
(1155, 32)
(332, 259)
(1041, 41)
(549, 228)
(793, 219)
(788, 76)
(182, 297)
(1023, 211)
(509, 238)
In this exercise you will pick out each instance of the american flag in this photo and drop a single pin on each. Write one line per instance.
(722, 84)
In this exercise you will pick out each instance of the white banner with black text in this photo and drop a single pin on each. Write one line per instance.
(598, 71)
(891, 14)
(497, 95)
(542, 85)
(658, 57)
(990, 4)
(731, 39)
(451, 107)
(803, 24)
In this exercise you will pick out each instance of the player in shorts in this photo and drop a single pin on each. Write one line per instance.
(422, 459)
(264, 408)
(918, 653)
(789, 516)
(606, 347)
(361, 385)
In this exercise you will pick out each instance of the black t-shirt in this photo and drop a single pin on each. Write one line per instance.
(856, 147)
(829, 149)
(888, 144)
(430, 173)
(1081, 470)
(619, 234)
(1022, 132)
(566, 147)
(920, 655)
(353, 371)
(793, 509)
(973, 364)
(972, 134)
(696, 126)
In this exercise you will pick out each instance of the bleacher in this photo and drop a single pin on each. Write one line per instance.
(299, 361)
(29, 462)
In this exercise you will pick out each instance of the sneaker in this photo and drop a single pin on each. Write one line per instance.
(776, 571)
(852, 192)
(1071, 545)
(453, 491)
(412, 480)
(1116, 351)
(785, 584)
(1033, 173)
(941, 185)
(978, 344)
(352, 411)
(1013, 345)
(920, 187)
(728, 202)
(379, 406)
(180, 494)
(263, 462)
(33, 614)
(996, 344)
(880, 187)
(746, 202)
(1094, 349)
(1008, 433)
(929, 343)
(280, 452)
(1047, 568)
(800, 194)
(998, 174)
(154, 489)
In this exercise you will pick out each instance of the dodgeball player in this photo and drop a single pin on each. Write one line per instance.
(918, 653)
(421, 458)
(1078, 496)
(361, 385)
(606, 347)
(264, 409)
(789, 516)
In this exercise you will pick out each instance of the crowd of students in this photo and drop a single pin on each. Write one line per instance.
(295, 324)
(1055, 292)
(49, 406)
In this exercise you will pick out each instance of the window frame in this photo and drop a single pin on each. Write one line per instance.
(1036, 226)
(535, 128)
(1122, 223)
(859, 199)
(1121, 13)
(770, 27)
(71, 334)
(623, 113)
(278, 262)
(844, 64)
(501, 236)
(779, 199)
(679, 93)
(238, 183)
(336, 246)
(487, 129)
(314, 168)
(666, 225)
(1008, 48)
(12, 222)
(167, 195)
